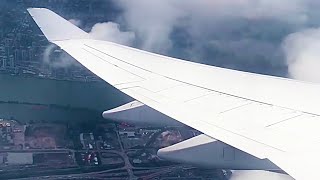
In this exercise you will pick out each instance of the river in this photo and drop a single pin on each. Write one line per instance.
(38, 99)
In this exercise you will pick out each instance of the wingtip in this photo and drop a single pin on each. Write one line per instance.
(32, 9)
(54, 27)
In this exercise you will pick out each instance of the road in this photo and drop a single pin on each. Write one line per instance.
(127, 164)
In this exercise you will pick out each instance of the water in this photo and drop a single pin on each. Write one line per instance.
(29, 98)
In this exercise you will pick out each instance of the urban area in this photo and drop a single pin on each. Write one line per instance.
(101, 151)
(24, 50)
(92, 149)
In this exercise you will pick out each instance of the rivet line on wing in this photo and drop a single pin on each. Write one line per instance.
(114, 64)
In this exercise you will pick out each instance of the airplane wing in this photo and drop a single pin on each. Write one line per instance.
(268, 117)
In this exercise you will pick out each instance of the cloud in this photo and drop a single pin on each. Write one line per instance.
(244, 34)
(54, 57)
(110, 31)
(248, 35)
(76, 22)
(152, 21)
(258, 175)
(285, 10)
(47, 52)
(107, 31)
(302, 54)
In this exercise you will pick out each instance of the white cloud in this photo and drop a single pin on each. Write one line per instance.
(262, 23)
(63, 60)
(303, 55)
(284, 9)
(155, 20)
(110, 31)
(226, 33)
(76, 22)
(107, 31)
(152, 20)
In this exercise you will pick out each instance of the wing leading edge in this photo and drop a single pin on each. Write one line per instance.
(268, 117)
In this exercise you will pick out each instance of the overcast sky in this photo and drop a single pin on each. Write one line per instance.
(266, 36)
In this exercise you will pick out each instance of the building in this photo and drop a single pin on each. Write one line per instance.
(87, 140)
(128, 132)
(3, 57)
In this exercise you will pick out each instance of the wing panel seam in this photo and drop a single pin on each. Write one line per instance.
(193, 84)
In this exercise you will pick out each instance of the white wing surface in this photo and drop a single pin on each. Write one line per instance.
(268, 117)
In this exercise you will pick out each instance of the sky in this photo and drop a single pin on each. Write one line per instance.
(264, 36)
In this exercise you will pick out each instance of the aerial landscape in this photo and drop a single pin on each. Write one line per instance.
(99, 151)
(122, 89)
(48, 132)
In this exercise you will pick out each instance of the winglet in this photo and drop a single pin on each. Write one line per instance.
(54, 27)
